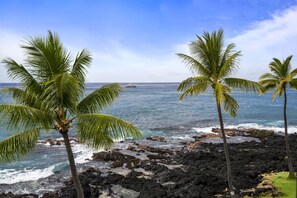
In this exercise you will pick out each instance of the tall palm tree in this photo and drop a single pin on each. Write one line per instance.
(53, 99)
(280, 78)
(213, 66)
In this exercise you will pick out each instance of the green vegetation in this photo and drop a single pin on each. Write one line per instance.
(213, 66)
(53, 99)
(285, 184)
(281, 77)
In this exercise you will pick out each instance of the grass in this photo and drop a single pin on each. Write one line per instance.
(286, 187)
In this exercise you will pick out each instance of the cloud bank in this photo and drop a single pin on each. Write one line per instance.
(115, 62)
(276, 37)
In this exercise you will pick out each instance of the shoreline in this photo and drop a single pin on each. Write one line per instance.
(192, 169)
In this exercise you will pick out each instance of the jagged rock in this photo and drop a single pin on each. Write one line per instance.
(157, 138)
(11, 195)
(118, 158)
(257, 133)
(197, 173)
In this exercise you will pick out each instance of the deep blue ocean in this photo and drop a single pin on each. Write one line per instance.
(156, 109)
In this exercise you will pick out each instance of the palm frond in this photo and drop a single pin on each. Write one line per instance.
(100, 98)
(220, 91)
(242, 84)
(82, 61)
(193, 86)
(276, 68)
(62, 91)
(194, 65)
(191, 81)
(20, 73)
(100, 130)
(293, 83)
(16, 146)
(229, 65)
(22, 97)
(19, 116)
(47, 56)
(267, 84)
(278, 91)
(230, 105)
(287, 65)
(269, 76)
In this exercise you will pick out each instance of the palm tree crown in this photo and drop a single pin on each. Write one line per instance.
(52, 98)
(213, 66)
(281, 75)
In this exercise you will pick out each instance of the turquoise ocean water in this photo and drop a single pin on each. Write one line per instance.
(156, 110)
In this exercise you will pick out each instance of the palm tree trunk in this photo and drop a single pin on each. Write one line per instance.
(76, 181)
(228, 163)
(290, 164)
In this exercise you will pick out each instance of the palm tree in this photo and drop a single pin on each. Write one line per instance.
(280, 77)
(213, 66)
(53, 99)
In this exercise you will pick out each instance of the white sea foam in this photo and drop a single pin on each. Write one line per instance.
(275, 126)
(10, 176)
(204, 129)
(83, 152)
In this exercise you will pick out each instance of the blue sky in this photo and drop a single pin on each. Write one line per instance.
(136, 40)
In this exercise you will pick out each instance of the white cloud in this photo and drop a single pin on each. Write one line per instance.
(111, 63)
(9, 47)
(121, 64)
(276, 37)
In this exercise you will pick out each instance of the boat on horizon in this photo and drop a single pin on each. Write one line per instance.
(130, 86)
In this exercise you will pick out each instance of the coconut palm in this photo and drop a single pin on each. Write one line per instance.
(52, 99)
(280, 78)
(212, 66)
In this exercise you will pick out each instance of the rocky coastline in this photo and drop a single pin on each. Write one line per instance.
(194, 169)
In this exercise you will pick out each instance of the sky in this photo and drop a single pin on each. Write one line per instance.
(136, 40)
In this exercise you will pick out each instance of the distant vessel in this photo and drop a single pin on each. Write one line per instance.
(130, 86)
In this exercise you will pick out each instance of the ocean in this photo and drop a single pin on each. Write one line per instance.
(156, 109)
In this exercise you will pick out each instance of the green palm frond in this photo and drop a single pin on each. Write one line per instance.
(100, 98)
(194, 65)
(220, 91)
(47, 56)
(22, 97)
(269, 76)
(280, 77)
(195, 87)
(229, 65)
(230, 105)
(189, 82)
(242, 84)
(267, 85)
(19, 116)
(62, 90)
(293, 83)
(82, 61)
(276, 68)
(100, 130)
(16, 146)
(20, 73)
(278, 90)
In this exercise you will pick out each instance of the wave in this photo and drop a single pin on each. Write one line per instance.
(83, 153)
(10, 176)
(274, 126)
